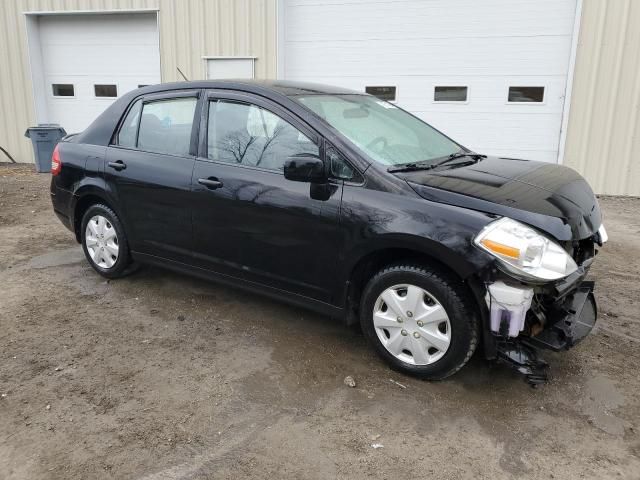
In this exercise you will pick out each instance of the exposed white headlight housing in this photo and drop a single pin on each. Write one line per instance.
(525, 252)
(602, 234)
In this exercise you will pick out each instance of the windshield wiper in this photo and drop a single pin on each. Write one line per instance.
(409, 167)
(424, 165)
(454, 156)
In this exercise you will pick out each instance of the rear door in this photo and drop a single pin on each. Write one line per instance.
(149, 168)
(248, 220)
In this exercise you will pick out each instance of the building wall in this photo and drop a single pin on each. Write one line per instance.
(603, 134)
(189, 30)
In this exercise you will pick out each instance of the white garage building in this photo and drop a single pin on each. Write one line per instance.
(83, 62)
(550, 80)
(492, 76)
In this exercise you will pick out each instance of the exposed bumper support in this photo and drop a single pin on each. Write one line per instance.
(523, 359)
(571, 321)
(568, 323)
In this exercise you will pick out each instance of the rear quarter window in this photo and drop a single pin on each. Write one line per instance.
(129, 129)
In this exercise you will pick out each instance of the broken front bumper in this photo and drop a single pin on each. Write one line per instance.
(569, 321)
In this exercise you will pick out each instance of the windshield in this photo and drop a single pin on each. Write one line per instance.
(384, 132)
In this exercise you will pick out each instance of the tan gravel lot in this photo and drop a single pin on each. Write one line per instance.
(162, 376)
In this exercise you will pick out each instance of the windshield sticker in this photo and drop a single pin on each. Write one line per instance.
(386, 105)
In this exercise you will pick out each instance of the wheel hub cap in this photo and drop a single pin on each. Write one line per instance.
(412, 325)
(101, 241)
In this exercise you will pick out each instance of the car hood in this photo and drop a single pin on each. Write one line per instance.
(551, 197)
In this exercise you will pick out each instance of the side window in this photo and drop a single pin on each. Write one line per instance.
(450, 94)
(129, 129)
(250, 135)
(165, 126)
(340, 167)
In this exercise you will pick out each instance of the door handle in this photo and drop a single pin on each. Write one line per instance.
(211, 183)
(118, 165)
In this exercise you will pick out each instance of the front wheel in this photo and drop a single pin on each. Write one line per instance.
(419, 320)
(104, 241)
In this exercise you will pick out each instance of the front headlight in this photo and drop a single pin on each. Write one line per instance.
(525, 252)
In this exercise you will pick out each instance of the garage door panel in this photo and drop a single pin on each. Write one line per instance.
(416, 45)
(518, 56)
(84, 86)
(85, 106)
(508, 129)
(82, 58)
(488, 134)
(95, 29)
(549, 156)
(309, 20)
(90, 110)
(93, 49)
(486, 94)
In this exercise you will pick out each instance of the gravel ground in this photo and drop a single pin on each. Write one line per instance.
(162, 376)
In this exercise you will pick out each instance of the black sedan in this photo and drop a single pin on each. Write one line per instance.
(344, 203)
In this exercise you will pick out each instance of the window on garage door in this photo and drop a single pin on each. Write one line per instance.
(63, 90)
(526, 95)
(383, 93)
(450, 94)
(105, 90)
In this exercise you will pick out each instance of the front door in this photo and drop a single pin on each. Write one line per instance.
(149, 169)
(248, 220)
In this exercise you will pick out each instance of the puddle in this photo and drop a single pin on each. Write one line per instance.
(601, 397)
(67, 256)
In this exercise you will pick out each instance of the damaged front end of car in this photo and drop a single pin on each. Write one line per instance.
(536, 294)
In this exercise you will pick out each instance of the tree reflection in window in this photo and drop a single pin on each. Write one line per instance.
(249, 135)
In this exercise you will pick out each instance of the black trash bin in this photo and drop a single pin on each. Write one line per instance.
(44, 138)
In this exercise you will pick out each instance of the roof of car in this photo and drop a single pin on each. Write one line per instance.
(101, 130)
(283, 87)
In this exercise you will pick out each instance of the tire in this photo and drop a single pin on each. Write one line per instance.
(104, 242)
(442, 345)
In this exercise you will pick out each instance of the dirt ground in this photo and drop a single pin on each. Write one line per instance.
(162, 376)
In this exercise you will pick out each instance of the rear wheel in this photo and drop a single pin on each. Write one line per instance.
(104, 241)
(419, 320)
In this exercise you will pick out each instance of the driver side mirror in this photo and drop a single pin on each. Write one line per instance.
(304, 168)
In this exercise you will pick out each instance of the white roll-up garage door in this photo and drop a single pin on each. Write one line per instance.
(88, 60)
(490, 74)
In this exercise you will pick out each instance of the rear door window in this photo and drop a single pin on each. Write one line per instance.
(129, 129)
(246, 134)
(165, 126)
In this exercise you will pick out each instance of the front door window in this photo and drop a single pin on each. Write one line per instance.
(244, 134)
